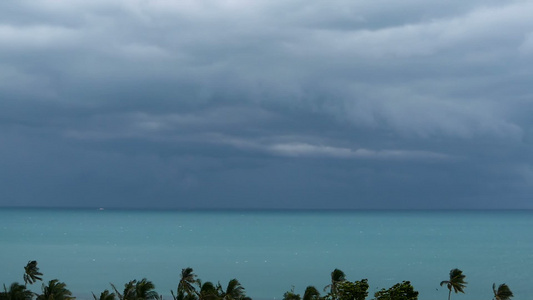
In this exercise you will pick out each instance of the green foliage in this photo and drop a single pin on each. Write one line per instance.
(16, 292)
(105, 295)
(291, 295)
(456, 282)
(191, 288)
(234, 290)
(357, 290)
(311, 293)
(186, 286)
(502, 293)
(31, 273)
(399, 291)
(55, 290)
(336, 277)
(208, 291)
(138, 290)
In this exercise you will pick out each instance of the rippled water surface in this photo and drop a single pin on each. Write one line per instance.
(269, 252)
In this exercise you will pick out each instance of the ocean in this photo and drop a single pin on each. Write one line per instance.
(270, 252)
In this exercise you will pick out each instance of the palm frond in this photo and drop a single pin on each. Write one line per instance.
(187, 282)
(16, 292)
(120, 296)
(457, 281)
(311, 293)
(503, 292)
(208, 291)
(31, 272)
(234, 290)
(337, 275)
(55, 290)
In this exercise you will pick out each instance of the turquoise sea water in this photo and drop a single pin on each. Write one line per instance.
(269, 252)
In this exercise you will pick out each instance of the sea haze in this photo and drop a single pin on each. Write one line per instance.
(270, 252)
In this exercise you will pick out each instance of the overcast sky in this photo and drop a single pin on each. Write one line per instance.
(266, 104)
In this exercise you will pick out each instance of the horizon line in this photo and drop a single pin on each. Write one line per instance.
(222, 209)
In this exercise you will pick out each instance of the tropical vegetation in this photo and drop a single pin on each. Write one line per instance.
(502, 293)
(291, 295)
(399, 291)
(190, 287)
(31, 273)
(357, 290)
(16, 291)
(311, 293)
(456, 282)
(336, 277)
(55, 290)
(105, 295)
(137, 290)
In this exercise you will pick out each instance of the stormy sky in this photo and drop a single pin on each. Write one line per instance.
(289, 104)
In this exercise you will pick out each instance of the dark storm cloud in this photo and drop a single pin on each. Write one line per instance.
(339, 104)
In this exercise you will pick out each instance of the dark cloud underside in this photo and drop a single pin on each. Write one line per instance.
(270, 104)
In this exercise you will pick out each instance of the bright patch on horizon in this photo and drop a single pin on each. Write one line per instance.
(308, 150)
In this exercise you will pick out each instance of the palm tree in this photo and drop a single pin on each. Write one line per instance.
(311, 293)
(457, 282)
(402, 290)
(144, 289)
(503, 292)
(31, 273)
(119, 295)
(129, 292)
(16, 292)
(186, 286)
(234, 291)
(187, 282)
(105, 295)
(137, 290)
(336, 277)
(55, 291)
(208, 291)
(291, 295)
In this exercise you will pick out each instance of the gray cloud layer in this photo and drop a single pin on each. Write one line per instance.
(266, 104)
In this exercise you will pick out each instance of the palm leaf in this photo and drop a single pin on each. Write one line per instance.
(234, 290)
(336, 277)
(187, 282)
(55, 290)
(116, 291)
(31, 272)
(16, 292)
(503, 292)
(208, 291)
(311, 293)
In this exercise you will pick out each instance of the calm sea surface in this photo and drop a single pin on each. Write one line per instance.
(269, 252)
